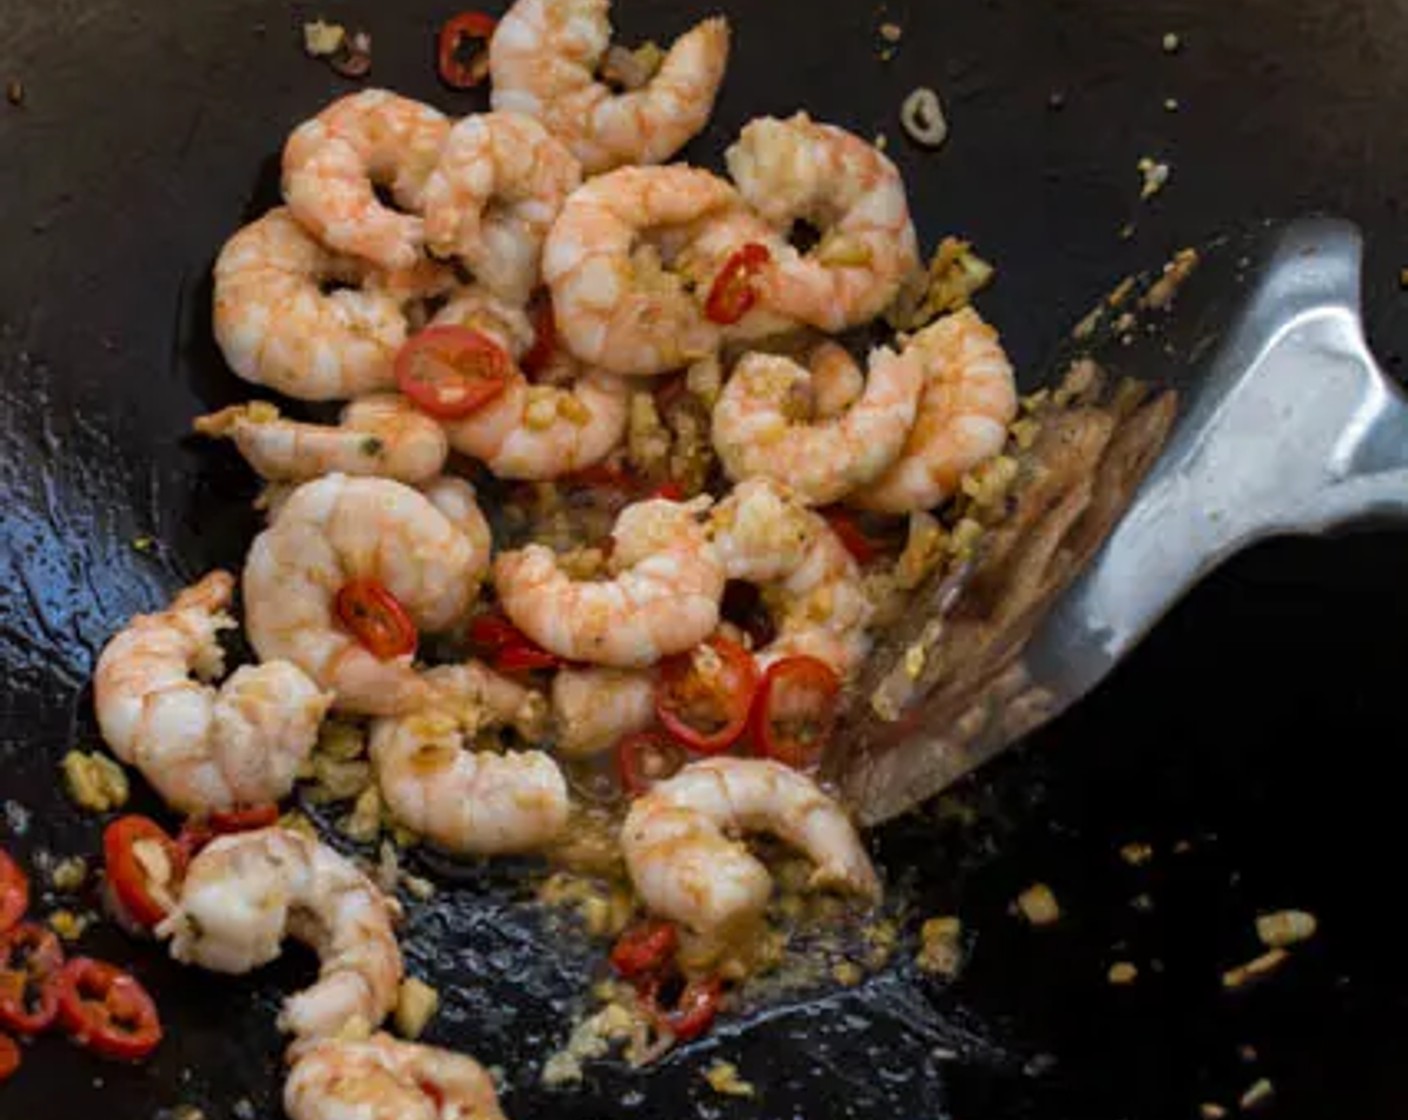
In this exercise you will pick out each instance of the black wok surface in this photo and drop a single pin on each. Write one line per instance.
(1261, 724)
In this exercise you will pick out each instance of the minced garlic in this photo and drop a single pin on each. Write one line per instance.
(1260, 1092)
(69, 874)
(1136, 854)
(68, 925)
(1038, 905)
(923, 551)
(1122, 972)
(1254, 969)
(940, 946)
(1285, 927)
(342, 741)
(723, 1078)
(95, 781)
(322, 39)
(416, 1004)
(364, 822)
(1155, 173)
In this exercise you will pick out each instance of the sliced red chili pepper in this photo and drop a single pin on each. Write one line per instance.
(733, 294)
(142, 899)
(451, 371)
(493, 632)
(376, 618)
(703, 696)
(525, 658)
(647, 757)
(509, 649)
(646, 947)
(695, 1010)
(852, 536)
(245, 819)
(467, 32)
(9, 1057)
(670, 490)
(30, 962)
(795, 711)
(544, 337)
(197, 832)
(107, 1010)
(14, 891)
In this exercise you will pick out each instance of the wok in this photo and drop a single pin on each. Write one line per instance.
(1253, 740)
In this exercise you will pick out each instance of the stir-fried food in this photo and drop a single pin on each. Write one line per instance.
(585, 570)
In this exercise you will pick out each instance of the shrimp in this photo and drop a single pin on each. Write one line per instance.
(333, 162)
(277, 327)
(457, 499)
(466, 801)
(836, 380)
(710, 246)
(594, 708)
(499, 185)
(762, 425)
(543, 60)
(530, 431)
(384, 1078)
(663, 598)
(969, 399)
(204, 749)
(336, 529)
(798, 169)
(243, 894)
(478, 309)
(545, 431)
(685, 867)
(615, 304)
(382, 435)
(818, 598)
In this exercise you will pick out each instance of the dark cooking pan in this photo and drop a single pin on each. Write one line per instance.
(1253, 741)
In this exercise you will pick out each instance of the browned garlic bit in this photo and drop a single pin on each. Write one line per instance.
(1038, 905)
(1285, 927)
(1254, 969)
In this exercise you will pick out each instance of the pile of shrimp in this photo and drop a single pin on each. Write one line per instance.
(547, 306)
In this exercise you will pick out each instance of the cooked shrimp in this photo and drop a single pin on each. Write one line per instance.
(615, 304)
(277, 327)
(333, 163)
(686, 868)
(337, 529)
(465, 800)
(243, 894)
(969, 399)
(836, 380)
(382, 434)
(594, 708)
(817, 595)
(479, 309)
(500, 183)
(543, 61)
(203, 749)
(384, 1078)
(762, 425)
(798, 169)
(663, 597)
(710, 246)
(545, 431)
(457, 499)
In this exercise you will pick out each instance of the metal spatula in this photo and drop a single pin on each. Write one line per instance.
(1277, 420)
